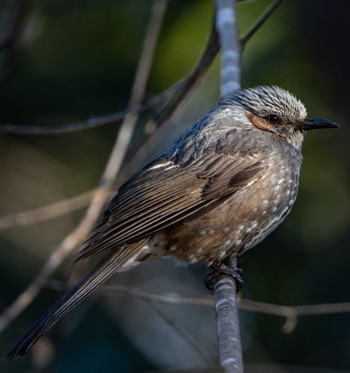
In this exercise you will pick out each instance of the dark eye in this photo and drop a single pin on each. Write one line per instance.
(273, 118)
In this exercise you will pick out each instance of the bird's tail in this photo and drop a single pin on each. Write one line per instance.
(120, 259)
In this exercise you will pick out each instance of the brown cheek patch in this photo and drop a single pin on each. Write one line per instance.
(258, 122)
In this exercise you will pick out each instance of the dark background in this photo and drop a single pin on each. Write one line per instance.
(77, 59)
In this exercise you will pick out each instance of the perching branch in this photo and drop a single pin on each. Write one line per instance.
(227, 321)
(227, 324)
(226, 25)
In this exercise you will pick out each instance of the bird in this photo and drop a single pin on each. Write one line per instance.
(216, 191)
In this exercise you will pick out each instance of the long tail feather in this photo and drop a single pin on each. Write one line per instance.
(113, 261)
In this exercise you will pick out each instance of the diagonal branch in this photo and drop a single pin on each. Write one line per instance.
(50, 211)
(27, 129)
(265, 16)
(123, 140)
(183, 90)
(107, 179)
(175, 94)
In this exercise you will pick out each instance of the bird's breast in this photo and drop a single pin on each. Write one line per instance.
(239, 223)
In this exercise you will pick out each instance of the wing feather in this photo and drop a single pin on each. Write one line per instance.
(164, 194)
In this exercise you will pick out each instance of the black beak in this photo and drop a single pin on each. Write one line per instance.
(311, 123)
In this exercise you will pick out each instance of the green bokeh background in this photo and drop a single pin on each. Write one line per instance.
(77, 60)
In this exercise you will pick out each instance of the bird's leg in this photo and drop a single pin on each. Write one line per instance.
(225, 268)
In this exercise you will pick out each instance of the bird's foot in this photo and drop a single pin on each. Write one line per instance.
(222, 268)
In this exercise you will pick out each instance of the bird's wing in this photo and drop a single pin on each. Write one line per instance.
(165, 193)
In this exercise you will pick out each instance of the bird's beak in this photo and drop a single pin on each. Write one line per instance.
(311, 123)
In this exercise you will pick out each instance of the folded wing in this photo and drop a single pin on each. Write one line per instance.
(165, 193)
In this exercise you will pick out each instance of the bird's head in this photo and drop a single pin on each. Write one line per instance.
(277, 111)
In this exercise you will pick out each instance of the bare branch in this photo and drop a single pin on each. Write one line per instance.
(177, 93)
(107, 179)
(208, 300)
(158, 296)
(129, 122)
(93, 122)
(266, 15)
(24, 129)
(291, 313)
(192, 80)
(226, 310)
(227, 323)
(180, 94)
(53, 210)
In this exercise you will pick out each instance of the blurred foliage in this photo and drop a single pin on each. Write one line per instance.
(77, 59)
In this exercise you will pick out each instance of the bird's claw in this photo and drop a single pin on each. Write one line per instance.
(221, 268)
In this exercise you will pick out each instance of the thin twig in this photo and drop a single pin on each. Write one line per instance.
(53, 210)
(226, 310)
(129, 122)
(208, 300)
(174, 94)
(107, 179)
(158, 296)
(177, 93)
(291, 313)
(183, 91)
(265, 16)
(29, 129)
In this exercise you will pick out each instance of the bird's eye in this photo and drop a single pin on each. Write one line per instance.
(273, 118)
